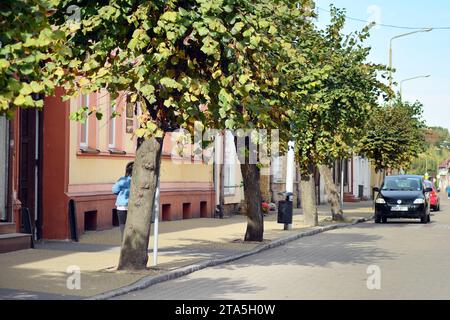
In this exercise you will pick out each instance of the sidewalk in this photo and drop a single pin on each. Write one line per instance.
(41, 273)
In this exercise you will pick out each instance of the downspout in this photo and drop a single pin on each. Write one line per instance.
(222, 177)
(9, 206)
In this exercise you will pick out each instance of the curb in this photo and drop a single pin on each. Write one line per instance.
(152, 280)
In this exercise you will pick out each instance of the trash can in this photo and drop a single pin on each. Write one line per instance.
(285, 208)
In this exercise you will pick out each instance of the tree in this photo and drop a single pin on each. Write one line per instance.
(28, 40)
(436, 150)
(394, 135)
(335, 97)
(268, 104)
(186, 61)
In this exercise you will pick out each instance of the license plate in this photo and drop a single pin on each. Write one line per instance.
(399, 208)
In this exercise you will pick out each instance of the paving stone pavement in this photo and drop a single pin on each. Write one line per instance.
(413, 261)
(42, 273)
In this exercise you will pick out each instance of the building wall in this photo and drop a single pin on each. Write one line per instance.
(186, 190)
(55, 171)
(278, 181)
(362, 177)
(234, 191)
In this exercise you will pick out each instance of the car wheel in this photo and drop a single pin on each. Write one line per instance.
(424, 219)
(429, 218)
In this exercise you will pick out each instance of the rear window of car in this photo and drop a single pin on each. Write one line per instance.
(402, 184)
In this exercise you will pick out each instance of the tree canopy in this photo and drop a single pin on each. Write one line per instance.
(394, 135)
(27, 42)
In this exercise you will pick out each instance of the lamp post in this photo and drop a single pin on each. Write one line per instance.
(409, 79)
(390, 49)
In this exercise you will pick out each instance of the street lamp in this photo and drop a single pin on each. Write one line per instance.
(390, 49)
(409, 79)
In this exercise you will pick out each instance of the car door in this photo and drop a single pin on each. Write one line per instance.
(427, 195)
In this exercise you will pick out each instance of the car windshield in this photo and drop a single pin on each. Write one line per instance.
(402, 184)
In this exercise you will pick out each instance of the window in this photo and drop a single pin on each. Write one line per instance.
(112, 129)
(229, 165)
(277, 169)
(395, 183)
(129, 116)
(84, 127)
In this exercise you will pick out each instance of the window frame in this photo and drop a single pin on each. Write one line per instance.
(84, 144)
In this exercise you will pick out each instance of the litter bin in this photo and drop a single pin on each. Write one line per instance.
(285, 208)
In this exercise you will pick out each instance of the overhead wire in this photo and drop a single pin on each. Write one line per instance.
(388, 25)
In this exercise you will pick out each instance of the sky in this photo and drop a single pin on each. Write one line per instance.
(426, 53)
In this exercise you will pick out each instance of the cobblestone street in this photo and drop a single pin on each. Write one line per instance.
(413, 260)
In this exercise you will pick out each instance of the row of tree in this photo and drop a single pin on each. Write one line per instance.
(226, 64)
(436, 151)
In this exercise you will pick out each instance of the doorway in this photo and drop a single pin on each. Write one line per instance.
(30, 164)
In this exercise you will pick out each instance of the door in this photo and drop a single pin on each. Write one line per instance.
(30, 165)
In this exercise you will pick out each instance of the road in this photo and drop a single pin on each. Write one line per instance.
(405, 260)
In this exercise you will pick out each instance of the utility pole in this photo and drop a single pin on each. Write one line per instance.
(156, 225)
(222, 176)
(342, 182)
(401, 82)
(290, 169)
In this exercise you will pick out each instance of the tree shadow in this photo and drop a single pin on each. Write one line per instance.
(318, 250)
(205, 289)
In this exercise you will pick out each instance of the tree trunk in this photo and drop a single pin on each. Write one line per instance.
(332, 193)
(146, 170)
(252, 193)
(307, 185)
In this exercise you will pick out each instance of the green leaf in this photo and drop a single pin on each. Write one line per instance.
(140, 132)
(169, 16)
(237, 28)
(4, 64)
(20, 100)
(229, 123)
(203, 31)
(210, 46)
(147, 90)
(170, 83)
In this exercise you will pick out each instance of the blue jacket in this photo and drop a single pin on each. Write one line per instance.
(122, 189)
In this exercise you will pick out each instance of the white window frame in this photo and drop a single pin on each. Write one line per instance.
(229, 165)
(84, 144)
(113, 127)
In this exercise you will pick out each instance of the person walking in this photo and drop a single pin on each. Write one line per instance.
(122, 189)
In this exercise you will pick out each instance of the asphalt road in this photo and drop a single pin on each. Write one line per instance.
(402, 259)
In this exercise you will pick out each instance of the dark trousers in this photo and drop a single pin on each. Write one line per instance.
(122, 215)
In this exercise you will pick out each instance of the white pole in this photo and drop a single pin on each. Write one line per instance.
(290, 169)
(156, 212)
(342, 182)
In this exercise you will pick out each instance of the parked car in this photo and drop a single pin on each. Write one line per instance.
(435, 201)
(403, 196)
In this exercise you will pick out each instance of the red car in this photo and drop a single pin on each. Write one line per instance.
(435, 201)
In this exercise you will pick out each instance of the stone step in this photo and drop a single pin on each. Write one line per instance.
(7, 227)
(349, 197)
(14, 241)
